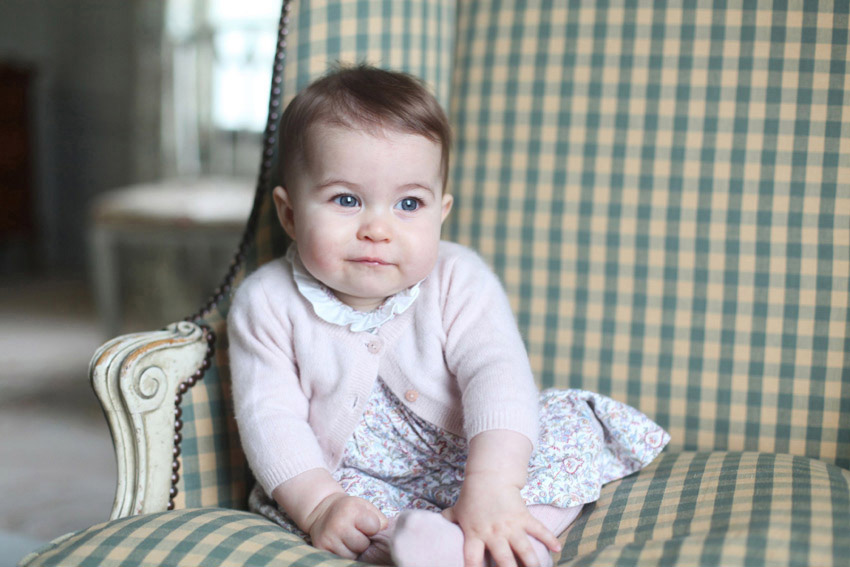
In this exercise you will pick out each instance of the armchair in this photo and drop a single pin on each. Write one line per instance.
(665, 192)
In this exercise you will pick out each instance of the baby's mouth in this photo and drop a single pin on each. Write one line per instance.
(370, 261)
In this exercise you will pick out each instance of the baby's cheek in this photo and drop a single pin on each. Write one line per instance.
(424, 263)
(320, 266)
(313, 254)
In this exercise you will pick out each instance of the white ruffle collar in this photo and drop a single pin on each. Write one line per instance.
(329, 308)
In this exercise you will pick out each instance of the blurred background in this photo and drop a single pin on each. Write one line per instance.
(130, 136)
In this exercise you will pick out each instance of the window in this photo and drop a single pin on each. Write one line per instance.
(222, 53)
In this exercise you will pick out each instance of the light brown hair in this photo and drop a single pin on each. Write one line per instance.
(361, 97)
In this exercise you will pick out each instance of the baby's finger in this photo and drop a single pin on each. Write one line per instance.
(522, 548)
(370, 522)
(355, 543)
(335, 545)
(449, 514)
(537, 530)
(502, 554)
(473, 552)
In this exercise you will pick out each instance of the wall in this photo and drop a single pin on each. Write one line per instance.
(83, 52)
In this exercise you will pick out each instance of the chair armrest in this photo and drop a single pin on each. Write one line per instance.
(136, 378)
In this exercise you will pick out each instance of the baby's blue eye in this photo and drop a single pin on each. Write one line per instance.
(409, 204)
(346, 200)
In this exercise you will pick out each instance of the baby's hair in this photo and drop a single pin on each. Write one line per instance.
(365, 97)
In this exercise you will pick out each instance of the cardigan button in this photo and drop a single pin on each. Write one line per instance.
(411, 396)
(374, 346)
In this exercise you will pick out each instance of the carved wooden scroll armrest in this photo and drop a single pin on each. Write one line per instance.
(136, 377)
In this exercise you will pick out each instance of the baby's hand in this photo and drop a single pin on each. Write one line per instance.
(343, 524)
(494, 518)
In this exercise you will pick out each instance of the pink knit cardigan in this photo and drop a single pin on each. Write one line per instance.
(300, 384)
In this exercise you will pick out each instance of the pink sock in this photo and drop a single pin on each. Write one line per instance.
(554, 518)
(424, 539)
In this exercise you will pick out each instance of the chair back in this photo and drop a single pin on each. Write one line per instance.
(665, 192)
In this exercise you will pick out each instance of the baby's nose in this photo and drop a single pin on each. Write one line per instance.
(375, 228)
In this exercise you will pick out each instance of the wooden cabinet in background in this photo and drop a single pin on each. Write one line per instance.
(16, 187)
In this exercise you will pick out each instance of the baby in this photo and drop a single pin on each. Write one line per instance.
(383, 393)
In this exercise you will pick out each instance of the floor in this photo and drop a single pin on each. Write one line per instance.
(57, 469)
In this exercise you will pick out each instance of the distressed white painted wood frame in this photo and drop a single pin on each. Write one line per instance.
(136, 377)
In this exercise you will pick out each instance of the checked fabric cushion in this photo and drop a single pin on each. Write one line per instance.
(692, 508)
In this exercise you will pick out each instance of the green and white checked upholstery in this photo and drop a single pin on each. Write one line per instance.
(664, 189)
(665, 192)
(687, 508)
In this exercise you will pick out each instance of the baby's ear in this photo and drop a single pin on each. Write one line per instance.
(285, 212)
(447, 203)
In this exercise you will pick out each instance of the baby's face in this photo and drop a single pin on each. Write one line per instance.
(366, 213)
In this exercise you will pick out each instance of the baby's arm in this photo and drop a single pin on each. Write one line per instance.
(490, 510)
(272, 411)
(336, 522)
